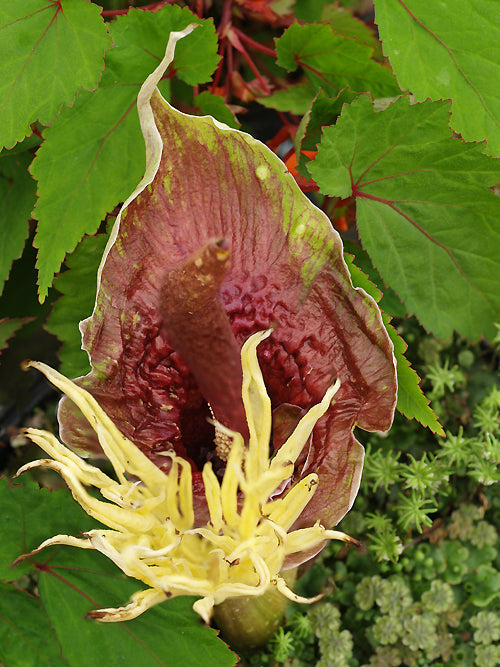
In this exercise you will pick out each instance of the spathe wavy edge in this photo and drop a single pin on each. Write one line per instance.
(154, 147)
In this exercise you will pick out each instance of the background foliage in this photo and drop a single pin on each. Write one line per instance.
(395, 139)
(425, 586)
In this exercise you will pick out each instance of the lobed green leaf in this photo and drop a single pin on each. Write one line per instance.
(50, 50)
(30, 515)
(71, 583)
(332, 62)
(93, 154)
(412, 402)
(308, 10)
(17, 200)
(296, 98)
(76, 582)
(387, 299)
(8, 328)
(344, 22)
(26, 636)
(214, 105)
(425, 213)
(449, 50)
(78, 288)
(323, 111)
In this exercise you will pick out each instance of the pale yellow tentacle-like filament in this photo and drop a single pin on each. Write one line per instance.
(153, 536)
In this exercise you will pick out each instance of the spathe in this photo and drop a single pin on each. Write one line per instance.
(205, 181)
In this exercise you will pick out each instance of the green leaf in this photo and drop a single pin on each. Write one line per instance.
(17, 200)
(93, 154)
(323, 111)
(360, 279)
(425, 213)
(388, 300)
(412, 402)
(345, 23)
(78, 287)
(50, 50)
(26, 636)
(296, 99)
(8, 328)
(20, 299)
(450, 50)
(75, 582)
(308, 10)
(214, 105)
(30, 515)
(332, 62)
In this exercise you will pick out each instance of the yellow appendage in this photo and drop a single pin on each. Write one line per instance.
(152, 536)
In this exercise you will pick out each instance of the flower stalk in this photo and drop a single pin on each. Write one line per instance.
(248, 621)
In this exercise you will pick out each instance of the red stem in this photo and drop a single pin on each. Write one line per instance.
(239, 46)
(229, 68)
(218, 71)
(256, 45)
(225, 17)
(199, 9)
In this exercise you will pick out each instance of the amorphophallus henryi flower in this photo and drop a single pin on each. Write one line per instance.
(153, 537)
(230, 466)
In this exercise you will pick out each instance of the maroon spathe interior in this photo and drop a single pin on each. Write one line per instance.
(178, 415)
(154, 374)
